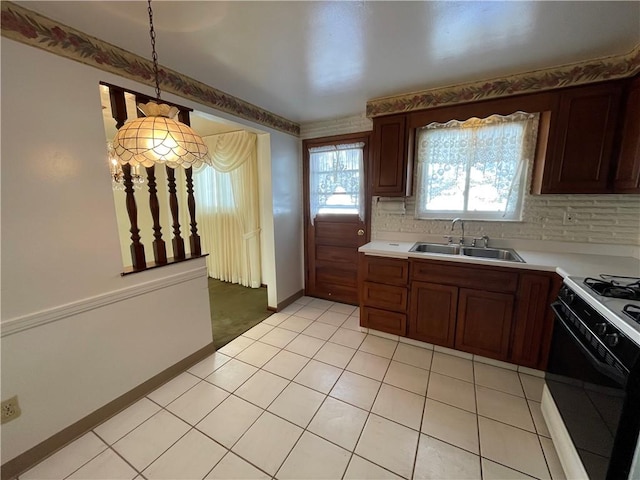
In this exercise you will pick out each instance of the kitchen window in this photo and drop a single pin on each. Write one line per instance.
(475, 169)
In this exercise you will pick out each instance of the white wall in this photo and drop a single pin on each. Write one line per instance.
(286, 174)
(61, 253)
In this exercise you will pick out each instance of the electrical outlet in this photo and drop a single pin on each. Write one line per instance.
(10, 409)
(569, 218)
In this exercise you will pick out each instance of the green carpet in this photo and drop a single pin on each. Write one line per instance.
(235, 309)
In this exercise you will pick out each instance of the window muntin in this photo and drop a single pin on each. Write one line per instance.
(335, 180)
(475, 169)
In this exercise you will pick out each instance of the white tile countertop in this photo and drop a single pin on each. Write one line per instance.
(543, 257)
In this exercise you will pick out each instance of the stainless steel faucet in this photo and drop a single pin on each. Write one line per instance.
(484, 239)
(453, 224)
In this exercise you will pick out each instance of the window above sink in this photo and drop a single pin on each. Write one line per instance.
(475, 169)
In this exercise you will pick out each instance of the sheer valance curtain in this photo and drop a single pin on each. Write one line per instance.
(228, 208)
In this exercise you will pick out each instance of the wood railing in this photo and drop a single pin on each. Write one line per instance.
(138, 259)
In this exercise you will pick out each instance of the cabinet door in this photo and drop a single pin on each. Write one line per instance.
(484, 323)
(627, 178)
(433, 313)
(389, 156)
(580, 148)
(383, 320)
(533, 320)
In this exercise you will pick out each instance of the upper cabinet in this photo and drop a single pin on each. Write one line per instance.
(588, 141)
(627, 179)
(580, 148)
(390, 156)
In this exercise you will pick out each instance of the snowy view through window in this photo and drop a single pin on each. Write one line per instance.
(474, 168)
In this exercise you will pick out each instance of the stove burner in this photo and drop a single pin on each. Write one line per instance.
(632, 311)
(611, 288)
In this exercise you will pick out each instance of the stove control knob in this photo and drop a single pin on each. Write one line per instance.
(567, 295)
(601, 328)
(612, 339)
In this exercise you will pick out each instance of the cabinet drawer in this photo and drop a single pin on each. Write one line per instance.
(388, 297)
(492, 279)
(383, 320)
(390, 271)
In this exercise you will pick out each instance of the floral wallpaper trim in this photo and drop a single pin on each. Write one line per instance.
(36, 30)
(607, 68)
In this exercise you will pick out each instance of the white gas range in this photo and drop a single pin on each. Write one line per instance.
(623, 313)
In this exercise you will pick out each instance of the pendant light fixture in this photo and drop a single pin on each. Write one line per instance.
(158, 138)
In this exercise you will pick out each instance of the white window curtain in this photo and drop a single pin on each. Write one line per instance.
(476, 167)
(336, 180)
(228, 209)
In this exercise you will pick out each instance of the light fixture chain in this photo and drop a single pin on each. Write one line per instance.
(154, 55)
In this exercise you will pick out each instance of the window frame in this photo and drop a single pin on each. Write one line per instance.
(524, 177)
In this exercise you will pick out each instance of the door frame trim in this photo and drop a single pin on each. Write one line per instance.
(308, 229)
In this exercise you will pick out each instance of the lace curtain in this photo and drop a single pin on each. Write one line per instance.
(228, 208)
(476, 167)
(335, 180)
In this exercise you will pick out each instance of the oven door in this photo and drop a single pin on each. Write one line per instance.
(588, 392)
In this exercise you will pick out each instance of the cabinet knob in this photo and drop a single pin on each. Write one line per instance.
(360, 232)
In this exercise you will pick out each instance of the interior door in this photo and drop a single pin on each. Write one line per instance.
(332, 225)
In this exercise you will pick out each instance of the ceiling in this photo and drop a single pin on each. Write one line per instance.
(311, 61)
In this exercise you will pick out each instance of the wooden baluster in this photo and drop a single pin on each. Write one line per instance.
(119, 113)
(194, 238)
(118, 106)
(177, 241)
(159, 247)
(137, 249)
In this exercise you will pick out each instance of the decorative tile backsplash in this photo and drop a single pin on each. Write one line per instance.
(611, 219)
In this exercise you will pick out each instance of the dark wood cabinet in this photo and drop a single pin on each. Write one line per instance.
(484, 323)
(580, 146)
(627, 178)
(496, 312)
(432, 317)
(533, 319)
(390, 167)
(468, 308)
(579, 149)
(384, 294)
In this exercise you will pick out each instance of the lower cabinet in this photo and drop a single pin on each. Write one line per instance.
(497, 312)
(484, 323)
(432, 317)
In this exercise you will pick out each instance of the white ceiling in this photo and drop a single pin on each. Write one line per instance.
(310, 61)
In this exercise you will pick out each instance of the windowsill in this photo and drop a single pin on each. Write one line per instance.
(170, 261)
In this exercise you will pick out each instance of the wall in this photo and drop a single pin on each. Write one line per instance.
(286, 172)
(605, 219)
(336, 126)
(89, 334)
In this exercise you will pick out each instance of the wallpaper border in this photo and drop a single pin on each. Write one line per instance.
(31, 28)
(589, 71)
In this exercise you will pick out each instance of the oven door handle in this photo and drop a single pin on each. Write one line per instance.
(600, 366)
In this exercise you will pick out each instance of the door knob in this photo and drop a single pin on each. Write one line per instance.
(360, 232)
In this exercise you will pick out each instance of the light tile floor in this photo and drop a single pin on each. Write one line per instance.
(307, 394)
